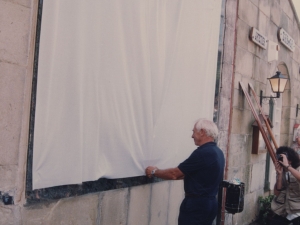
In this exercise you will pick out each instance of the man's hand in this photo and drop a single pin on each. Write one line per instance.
(149, 169)
(278, 168)
(284, 161)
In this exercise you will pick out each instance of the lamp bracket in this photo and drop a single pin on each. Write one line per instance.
(268, 97)
(297, 108)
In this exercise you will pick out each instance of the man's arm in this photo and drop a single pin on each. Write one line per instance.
(278, 185)
(279, 174)
(167, 174)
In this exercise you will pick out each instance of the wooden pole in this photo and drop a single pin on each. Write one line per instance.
(260, 126)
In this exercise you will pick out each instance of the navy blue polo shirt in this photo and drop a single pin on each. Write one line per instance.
(203, 170)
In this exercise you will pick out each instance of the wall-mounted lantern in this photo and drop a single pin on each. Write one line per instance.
(278, 83)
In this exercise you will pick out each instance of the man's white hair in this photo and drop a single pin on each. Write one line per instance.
(208, 126)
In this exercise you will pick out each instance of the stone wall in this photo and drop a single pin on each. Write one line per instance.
(251, 66)
(17, 33)
(151, 204)
(155, 204)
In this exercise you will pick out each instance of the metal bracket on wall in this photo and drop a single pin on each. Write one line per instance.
(297, 108)
(7, 199)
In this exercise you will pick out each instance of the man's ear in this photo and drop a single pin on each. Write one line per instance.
(202, 132)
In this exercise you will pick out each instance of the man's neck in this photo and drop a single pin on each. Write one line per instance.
(208, 139)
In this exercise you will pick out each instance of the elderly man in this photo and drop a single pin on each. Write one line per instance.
(202, 172)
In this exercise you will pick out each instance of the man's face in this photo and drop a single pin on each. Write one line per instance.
(197, 136)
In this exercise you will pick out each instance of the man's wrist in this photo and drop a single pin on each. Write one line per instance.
(153, 172)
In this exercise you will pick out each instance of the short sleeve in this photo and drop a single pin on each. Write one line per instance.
(191, 164)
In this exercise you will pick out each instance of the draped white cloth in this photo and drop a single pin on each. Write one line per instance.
(120, 85)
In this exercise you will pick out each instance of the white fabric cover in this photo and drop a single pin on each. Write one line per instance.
(120, 85)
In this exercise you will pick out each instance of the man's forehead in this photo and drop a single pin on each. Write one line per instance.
(195, 129)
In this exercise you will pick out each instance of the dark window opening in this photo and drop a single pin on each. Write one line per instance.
(219, 63)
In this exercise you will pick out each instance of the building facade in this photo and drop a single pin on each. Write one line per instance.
(155, 203)
(247, 62)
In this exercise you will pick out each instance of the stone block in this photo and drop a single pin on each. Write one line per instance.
(263, 71)
(284, 23)
(287, 9)
(75, 210)
(244, 62)
(296, 30)
(15, 23)
(80, 210)
(7, 177)
(113, 207)
(35, 213)
(261, 53)
(284, 56)
(257, 158)
(252, 47)
(242, 121)
(139, 205)
(231, 6)
(286, 98)
(247, 177)
(176, 197)
(297, 91)
(296, 54)
(248, 12)
(287, 90)
(12, 79)
(224, 112)
(159, 203)
(285, 116)
(255, 2)
(290, 139)
(284, 140)
(229, 46)
(238, 99)
(291, 28)
(243, 31)
(276, 12)
(25, 3)
(222, 141)
(238, 143)
(272, 69)
(263, 22)
(257, 176)
(294, 101)
(256, 66)
(294, 74)
(233, 160)
(264, 7)
(291, 128)
(7, 215)
(272, 32)
(237, 79)
(227, 73)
